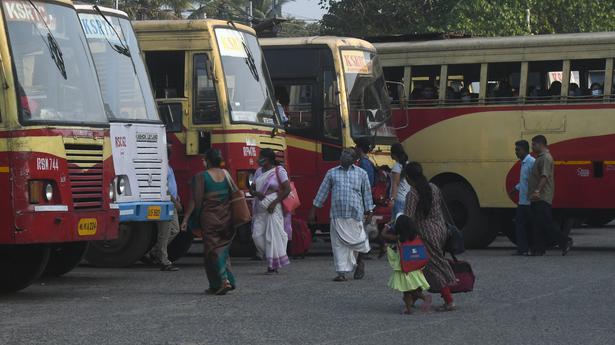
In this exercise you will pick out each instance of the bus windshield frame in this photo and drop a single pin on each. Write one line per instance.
(55, 79)
(124, 83)
(362, 73)
(248, 87)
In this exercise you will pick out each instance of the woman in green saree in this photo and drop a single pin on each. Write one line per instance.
(211, 192)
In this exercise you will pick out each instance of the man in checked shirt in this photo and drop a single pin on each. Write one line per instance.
(351, 206)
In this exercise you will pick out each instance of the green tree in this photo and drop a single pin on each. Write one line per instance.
(476, 17)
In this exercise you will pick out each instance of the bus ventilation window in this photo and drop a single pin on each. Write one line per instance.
(598, 169)
(204, 142)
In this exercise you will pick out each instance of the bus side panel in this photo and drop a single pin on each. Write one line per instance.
(7, 218)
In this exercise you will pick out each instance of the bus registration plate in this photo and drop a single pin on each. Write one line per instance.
(153, 212)
(87, 226)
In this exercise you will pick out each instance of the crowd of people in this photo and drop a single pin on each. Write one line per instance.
(418, 212)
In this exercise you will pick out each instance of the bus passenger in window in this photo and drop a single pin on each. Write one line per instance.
(451, 95)
(574, 90)
(466, 96)
(555, 90)
(504, 90)
(429, 93)
(596, 90)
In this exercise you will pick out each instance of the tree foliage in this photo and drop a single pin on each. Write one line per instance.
(476, 17)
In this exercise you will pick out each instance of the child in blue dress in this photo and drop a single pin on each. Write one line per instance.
(411, 284)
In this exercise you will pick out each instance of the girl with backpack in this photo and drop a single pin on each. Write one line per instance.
(407, 255)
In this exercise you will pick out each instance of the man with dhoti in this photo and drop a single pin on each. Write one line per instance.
(351, 206)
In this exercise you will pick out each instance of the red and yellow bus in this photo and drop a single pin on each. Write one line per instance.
(333, 92)
(468, 100)
(56, 171)
(213, 91)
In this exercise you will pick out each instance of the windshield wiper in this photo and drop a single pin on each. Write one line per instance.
(51, 43)
(121, 48)
(249, 57)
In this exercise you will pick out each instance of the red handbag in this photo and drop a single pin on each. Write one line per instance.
(291, 202)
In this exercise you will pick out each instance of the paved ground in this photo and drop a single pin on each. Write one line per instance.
(518, 300)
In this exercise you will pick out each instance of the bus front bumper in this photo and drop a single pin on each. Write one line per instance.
(146, 211)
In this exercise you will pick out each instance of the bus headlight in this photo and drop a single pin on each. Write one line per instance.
(121, 185)
(245, 179)
(112, 191)
(48, 192)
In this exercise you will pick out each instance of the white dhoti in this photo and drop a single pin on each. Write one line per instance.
(348, 238)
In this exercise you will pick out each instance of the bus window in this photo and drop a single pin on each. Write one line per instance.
(171, 115)
(167, 73)
(205, 99)
(424, 85)
(394, 74)
(463, 84)
(332, 128)
(296, 100)
(503, 81)
(544, 81)
(586, 80)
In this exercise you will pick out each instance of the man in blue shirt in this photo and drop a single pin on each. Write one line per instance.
(351, 205)
(167, 230)
(362, 148)
(523, 222)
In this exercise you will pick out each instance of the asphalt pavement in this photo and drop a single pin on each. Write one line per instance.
(517, 300)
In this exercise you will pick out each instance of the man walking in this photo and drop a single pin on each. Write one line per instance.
(362, 148)
(351, 202)
(523, 215)
(167, 230)
(542, 187)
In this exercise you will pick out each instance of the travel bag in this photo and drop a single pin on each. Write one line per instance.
(302, 239)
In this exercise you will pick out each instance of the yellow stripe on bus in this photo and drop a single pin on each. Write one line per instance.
(572, 162)
(4, 169)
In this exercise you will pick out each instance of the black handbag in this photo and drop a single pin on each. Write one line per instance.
(454, 239)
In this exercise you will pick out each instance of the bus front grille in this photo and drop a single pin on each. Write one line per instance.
(148, 168)
(85, 173)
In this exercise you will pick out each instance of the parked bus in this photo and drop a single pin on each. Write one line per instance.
(333, 92)
(213, 91)
(56, 171)
(470, 99)
(138, 138)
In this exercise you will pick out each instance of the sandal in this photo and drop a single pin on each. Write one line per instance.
(359, 272)
(271, 271)
(446, 307)
(340, 278)
(226, 287)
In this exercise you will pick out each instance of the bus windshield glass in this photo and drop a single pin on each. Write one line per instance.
(56, 80)
(124, 84)
(368, 101)
(247, 85)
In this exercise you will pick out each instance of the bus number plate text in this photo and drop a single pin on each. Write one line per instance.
(153, 212)
(87, 226)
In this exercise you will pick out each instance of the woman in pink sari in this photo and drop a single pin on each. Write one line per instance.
(271, 226)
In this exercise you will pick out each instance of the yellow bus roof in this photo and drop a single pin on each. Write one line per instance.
(184, 25)
(495, 49)
(331, 41)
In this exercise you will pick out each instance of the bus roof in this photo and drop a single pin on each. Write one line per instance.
(80, 7)
(331, 41)
(184, 25)
(514, 48)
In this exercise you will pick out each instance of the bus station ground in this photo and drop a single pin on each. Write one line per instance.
(517, 300)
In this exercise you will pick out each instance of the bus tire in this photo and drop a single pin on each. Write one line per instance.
(468, 216)
(21, 265)
(64, 257)
(134, 240)
(180, 245)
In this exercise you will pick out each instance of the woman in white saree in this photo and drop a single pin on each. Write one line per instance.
(271, 227)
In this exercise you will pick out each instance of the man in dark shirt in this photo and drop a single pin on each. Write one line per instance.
(541, 187)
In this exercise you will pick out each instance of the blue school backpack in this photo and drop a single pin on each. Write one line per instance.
(413, 255)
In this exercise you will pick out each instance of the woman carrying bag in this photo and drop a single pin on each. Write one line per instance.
(271, 225)
(212, 191)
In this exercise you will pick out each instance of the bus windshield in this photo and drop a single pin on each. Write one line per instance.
(123, 80)
(247, 85)
(55, 81)
(368, 101)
